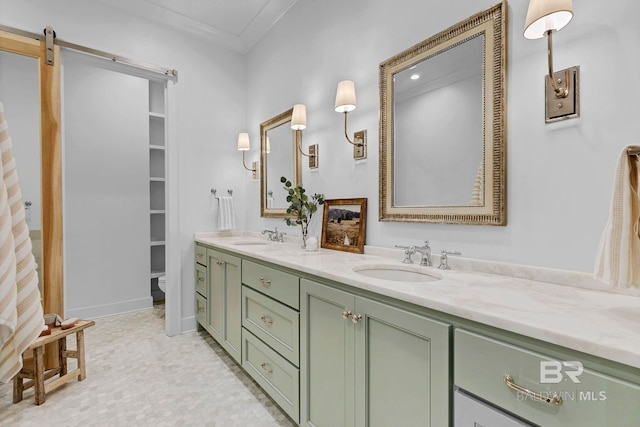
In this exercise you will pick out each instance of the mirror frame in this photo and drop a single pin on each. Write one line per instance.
(265, 126)
(491, 23)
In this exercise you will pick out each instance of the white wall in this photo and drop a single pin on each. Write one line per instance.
(210, 105)
(559, 175)
(20, 98)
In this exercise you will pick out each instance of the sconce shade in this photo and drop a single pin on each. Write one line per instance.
(243, 142)
(545, 15)
(299, 117)
(346, 97)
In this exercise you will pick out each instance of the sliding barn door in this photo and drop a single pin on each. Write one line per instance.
(106, 183)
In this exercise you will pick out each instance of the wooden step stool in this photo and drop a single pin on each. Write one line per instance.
(38, 375)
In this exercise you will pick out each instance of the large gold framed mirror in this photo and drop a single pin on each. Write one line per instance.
(443, 126)
(279, 156)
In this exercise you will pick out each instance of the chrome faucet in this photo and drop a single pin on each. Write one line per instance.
(270, 234)
(408, 251)
(444, 260)
(274, 236)
(426, 254)
(279, 236)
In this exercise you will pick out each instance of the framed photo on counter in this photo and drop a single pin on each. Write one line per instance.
(344, 224)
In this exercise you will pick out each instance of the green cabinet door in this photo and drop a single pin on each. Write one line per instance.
(232, 338)
(367, 364)
(225, 288)
(402, 368)
(326, 356)
(215, 285)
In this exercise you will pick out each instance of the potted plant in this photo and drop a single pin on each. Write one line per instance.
(301, 207)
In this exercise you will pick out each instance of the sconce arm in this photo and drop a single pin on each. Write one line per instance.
(245, 166)
(346, 134)
(560, 92)
(300, 147)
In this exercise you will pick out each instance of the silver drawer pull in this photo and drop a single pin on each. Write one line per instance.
(267, 368)
(220, 262)
(346, 314)
(265, 282)
(355, 318)
(554, 399)
(267, 320)
(200, 279)
(200, 309)
(199, 255)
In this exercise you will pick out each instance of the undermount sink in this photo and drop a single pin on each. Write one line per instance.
(253, 242)
(396, 273)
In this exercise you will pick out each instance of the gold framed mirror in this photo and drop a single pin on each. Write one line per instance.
(443, 126)
(279, 156)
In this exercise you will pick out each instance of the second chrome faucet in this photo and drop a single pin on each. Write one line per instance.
(425, 260)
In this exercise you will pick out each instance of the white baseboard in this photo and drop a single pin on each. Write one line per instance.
(110, 309)
(189, 324)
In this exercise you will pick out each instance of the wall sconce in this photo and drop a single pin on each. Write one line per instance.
(545, 17)
(298, 123)
(345, 102)
(244, 145)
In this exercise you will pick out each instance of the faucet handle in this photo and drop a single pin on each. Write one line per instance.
(408, 251)
(444, 260)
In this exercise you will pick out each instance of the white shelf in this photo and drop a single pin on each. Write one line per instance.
(157, 212)
(156, 115)
(156, 179)
(156, 147)
(158, 243)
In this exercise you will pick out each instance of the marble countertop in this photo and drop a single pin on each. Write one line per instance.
(604, 324)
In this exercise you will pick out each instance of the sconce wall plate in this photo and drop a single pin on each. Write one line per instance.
(556, 108)
(313, 156)
(360, 145)
(254, 172)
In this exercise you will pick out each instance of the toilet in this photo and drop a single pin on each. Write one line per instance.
(162, 283)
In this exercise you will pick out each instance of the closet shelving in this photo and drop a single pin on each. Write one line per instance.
(157, 179)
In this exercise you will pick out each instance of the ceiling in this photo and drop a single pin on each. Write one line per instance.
(234, 24)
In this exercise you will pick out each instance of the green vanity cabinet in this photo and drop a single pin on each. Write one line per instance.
(584, 396)
(224, 285)
(201, 285)
(366, 363)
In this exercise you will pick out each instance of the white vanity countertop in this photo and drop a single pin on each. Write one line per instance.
(601, 323)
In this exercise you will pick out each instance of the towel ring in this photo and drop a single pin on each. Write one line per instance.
(214, 191)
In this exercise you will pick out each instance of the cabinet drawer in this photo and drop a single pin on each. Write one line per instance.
(274, 323)
(201, 255)
(279, 378)
(589, 398)
(201, 310)
(278, 285)
(201, 280)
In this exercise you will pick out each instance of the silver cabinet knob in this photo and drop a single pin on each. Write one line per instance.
(346, 314)
(355, 318)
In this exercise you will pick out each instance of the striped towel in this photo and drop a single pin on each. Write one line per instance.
(21, 316)
(226, 214)
(618, 257)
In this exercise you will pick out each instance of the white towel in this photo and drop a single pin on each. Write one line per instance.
(226, 214)
(21, 315)
(618, 257)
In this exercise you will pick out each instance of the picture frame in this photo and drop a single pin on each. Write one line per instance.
(344, 224)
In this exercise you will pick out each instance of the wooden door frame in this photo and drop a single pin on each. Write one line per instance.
(51, 165)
